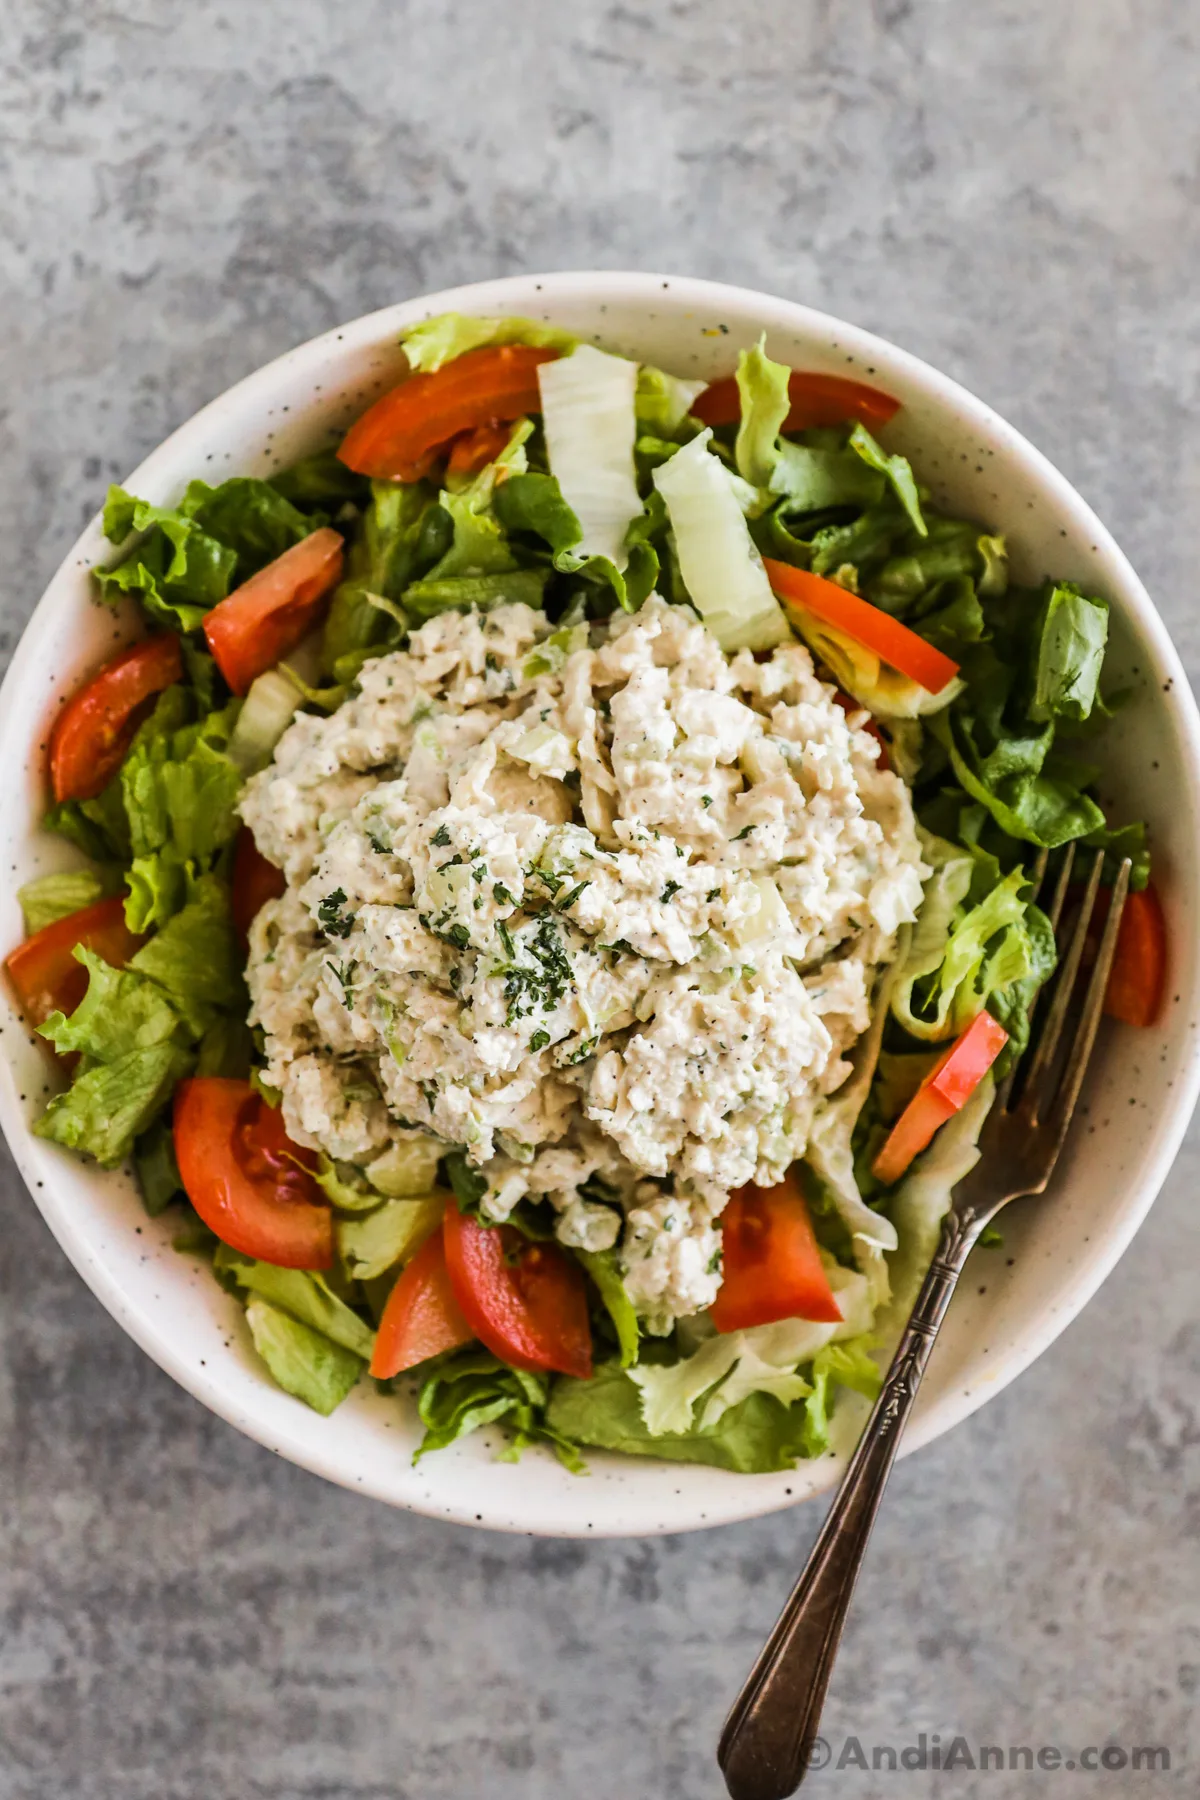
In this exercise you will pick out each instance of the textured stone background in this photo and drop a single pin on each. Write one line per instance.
(188, 188)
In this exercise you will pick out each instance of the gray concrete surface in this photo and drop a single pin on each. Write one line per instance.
(1009, 189)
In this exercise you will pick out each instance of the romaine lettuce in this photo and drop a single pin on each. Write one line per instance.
(306, 1296)
(721, 567)
(473, 1389)
(590, 425)
(53, 897)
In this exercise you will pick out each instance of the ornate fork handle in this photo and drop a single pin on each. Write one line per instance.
(768, 1737)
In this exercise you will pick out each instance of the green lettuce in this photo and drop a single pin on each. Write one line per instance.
(848, 1365)
(1072, 639)
(464, 593)
(404, 532)
(532, 506)
(304, 1362)
(439, 340)
(375, 1242)
(157, 1171)
(54, 897)
(961, 955)
(720, 564)
(189, 556)
(473, 1389)
(195, 958)
(663, 403)
(322, 483)
(602, 1267)
(896, 470)
(120, 1012)
(757, 1436)
(109, 1105)
(303, 1294)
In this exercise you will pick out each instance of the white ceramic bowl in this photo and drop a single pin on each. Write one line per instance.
(1139, 1097)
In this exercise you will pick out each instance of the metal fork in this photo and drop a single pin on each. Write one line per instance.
(768, 1737)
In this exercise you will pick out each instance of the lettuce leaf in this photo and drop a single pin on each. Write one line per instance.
(763, 391)
(601, 1265)
(156, 1169)
(1017, 782)
(322, 483)
(250, 517)
(1070, 652)
(375, 1242)
(720, 564)
(404, 532)
(948, 548)
(120, 1012)
(177, 571)
(757, 1436)
(178, 786)
(195, 958)
(439, 340)
(304, 1362)
(847, 1365)
(304, 1295)
(532, 505)
(54, 897)
(473, 1389)
(960, 955)
(463, 593)
(589, 419)
(662, 404)
(110, 1104)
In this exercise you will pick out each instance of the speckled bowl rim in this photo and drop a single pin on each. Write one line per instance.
(700, 1496)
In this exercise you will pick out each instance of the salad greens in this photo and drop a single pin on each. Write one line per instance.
(615, 490)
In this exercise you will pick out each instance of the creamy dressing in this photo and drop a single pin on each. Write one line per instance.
(602, 905)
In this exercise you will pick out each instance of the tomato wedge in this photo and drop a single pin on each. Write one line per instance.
(1139, 971)
(474, 450)
(944, 1091)
(43, 970)
(422, 1318)
(816, 400)
(891, 641)
(772, 1268)
(255, 881)
(267, 616)
(239, 1170)
(527, 1302)
(398, 438)
(92, 732)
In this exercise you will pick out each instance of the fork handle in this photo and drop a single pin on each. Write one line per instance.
(769, 1735)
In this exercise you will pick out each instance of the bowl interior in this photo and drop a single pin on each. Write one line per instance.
(1139, 1096)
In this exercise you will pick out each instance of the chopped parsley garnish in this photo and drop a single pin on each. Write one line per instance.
(713, 894)
(329, 914)
(706, 800)
(539, 1040)
(743, 833)
(343, 974)
(441, 837)
(572, 897)
(542, 985)
(501, 895)
(668, 893)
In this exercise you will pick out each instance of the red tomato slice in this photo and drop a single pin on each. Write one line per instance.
(849, 704)
(816, 400)
(771, 1266)
(1139, 971)
(422, 1318)
(944, 1091)
(526, 1302)
(267, 616)
(239, 1170)
(474, 450)
(93, 731)
(44, 972)
(255, 881)
(891, 641)
(397, 438)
